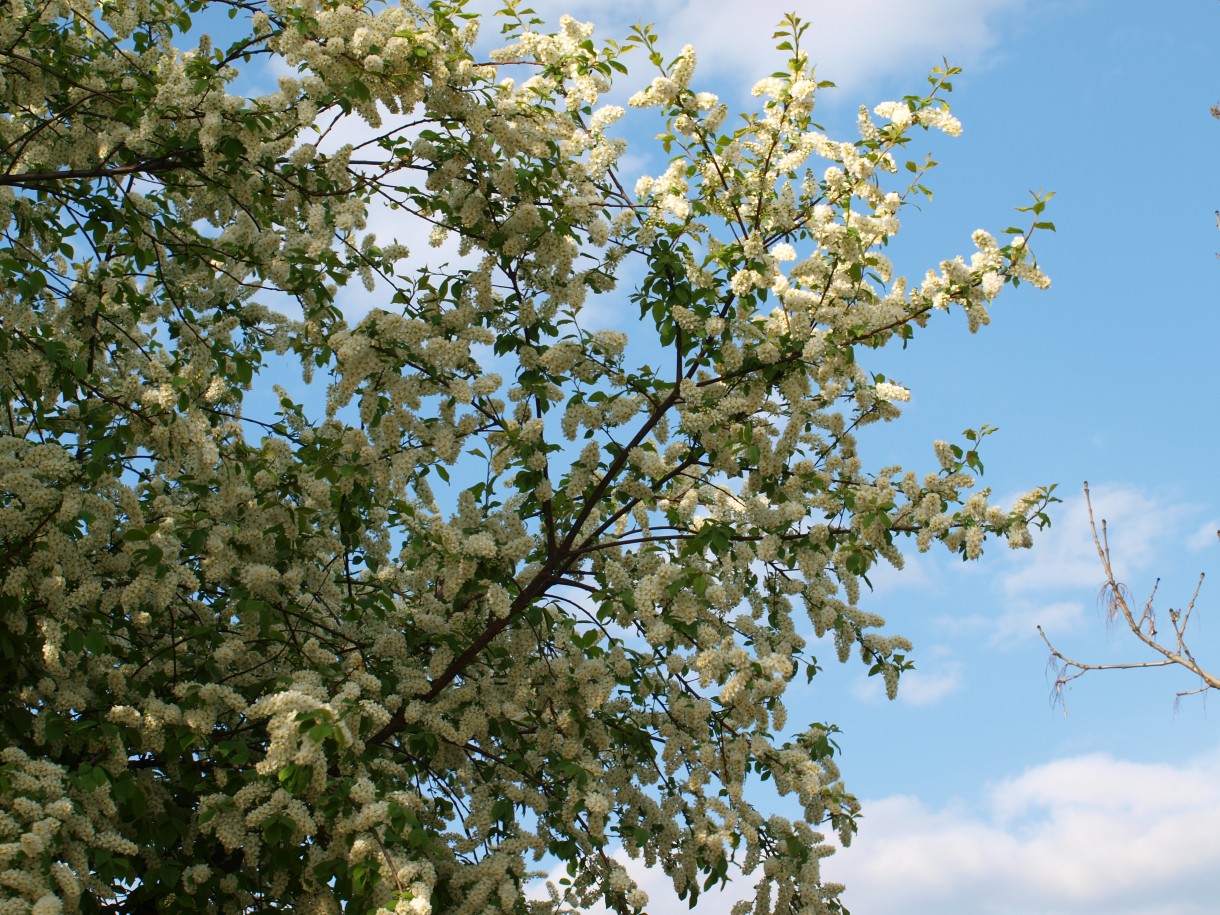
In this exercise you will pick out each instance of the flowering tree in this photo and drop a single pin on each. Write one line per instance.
(507, 590)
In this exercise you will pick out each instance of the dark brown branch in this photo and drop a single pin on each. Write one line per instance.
(150, 167)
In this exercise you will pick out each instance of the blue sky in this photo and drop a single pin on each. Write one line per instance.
(979, 795)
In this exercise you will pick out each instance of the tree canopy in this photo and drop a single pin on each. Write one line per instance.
(312, 614)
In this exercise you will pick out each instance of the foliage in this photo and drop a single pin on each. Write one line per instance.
(509, 588)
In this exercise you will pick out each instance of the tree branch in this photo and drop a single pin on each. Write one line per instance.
(1142, 627)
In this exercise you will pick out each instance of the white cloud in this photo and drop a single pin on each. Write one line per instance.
(1053, 584)
(1022, 619)
(853, 44)
(921, 688)
(1204, 536)
(1085, 835)
(1019, 620)
(1065, 556)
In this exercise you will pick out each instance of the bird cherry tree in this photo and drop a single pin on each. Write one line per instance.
(493, 587)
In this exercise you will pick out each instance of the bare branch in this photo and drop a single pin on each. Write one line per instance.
(1117, 599)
